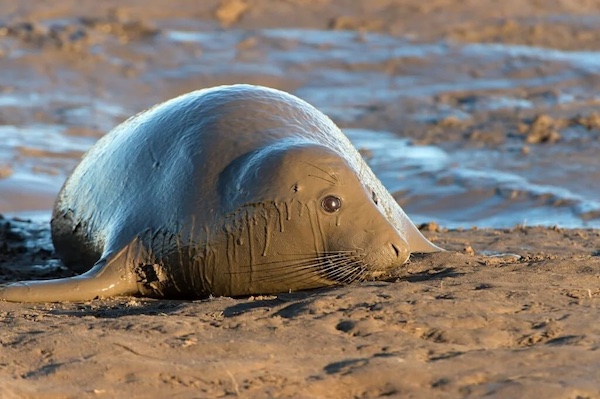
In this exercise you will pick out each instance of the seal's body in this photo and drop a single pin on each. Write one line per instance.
(232, 190)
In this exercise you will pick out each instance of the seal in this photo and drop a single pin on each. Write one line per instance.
(227, 191)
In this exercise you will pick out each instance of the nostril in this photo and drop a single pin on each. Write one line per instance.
(396, 250)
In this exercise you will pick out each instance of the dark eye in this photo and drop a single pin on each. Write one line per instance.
(331, 204)
(374, 196)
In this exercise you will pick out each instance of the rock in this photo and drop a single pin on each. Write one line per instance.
(541, 130)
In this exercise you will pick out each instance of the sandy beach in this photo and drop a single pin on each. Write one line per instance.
(492, 114)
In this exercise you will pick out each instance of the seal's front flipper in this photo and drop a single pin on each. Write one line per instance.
(110, 276)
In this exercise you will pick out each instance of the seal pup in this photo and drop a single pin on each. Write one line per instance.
(227, 191)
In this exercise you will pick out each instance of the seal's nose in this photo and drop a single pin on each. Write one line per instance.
(401, 251)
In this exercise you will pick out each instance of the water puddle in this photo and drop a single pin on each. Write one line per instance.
(587, 60)
(344, 71)
(35, 160)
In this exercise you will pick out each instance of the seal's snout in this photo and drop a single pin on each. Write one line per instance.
(398, 253)
(386, 255)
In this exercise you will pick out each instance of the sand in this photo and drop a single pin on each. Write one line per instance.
(521, 323)
(505, 313)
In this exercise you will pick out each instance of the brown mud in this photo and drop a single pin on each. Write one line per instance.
(510, 311)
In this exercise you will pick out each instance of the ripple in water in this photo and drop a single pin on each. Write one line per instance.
(460, 191)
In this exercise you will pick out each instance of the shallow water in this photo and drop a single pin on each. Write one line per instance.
(472, 187)
(373, 85)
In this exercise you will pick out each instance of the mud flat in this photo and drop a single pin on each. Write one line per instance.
(471, 113)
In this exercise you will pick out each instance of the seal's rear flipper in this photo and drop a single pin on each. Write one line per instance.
(110, 276)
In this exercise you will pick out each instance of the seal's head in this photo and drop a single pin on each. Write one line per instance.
(300, 217)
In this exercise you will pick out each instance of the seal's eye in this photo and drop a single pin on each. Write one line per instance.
(374, 196)
(331, 203)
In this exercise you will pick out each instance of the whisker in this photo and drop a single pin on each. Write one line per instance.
(342, 271)
(356, 277)
(285, 264)
(296, 275)
(355, 270)
(292, 262)
(362, 276)
(270, 270)
(333, 177)
(321, 255)
(352, 276)
(310, 270)
(313, 256)
(322, 178)
(337, 267)
(338, 274)
(365, 275)
(318, 266)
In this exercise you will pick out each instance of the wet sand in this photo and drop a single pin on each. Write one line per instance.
(498, 136)
(522, 323)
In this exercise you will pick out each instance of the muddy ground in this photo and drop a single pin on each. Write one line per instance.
(506, 312)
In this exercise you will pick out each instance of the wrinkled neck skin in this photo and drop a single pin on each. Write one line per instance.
(265, 248)
(272, 247)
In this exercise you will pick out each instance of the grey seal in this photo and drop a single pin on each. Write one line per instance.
(227, 191)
